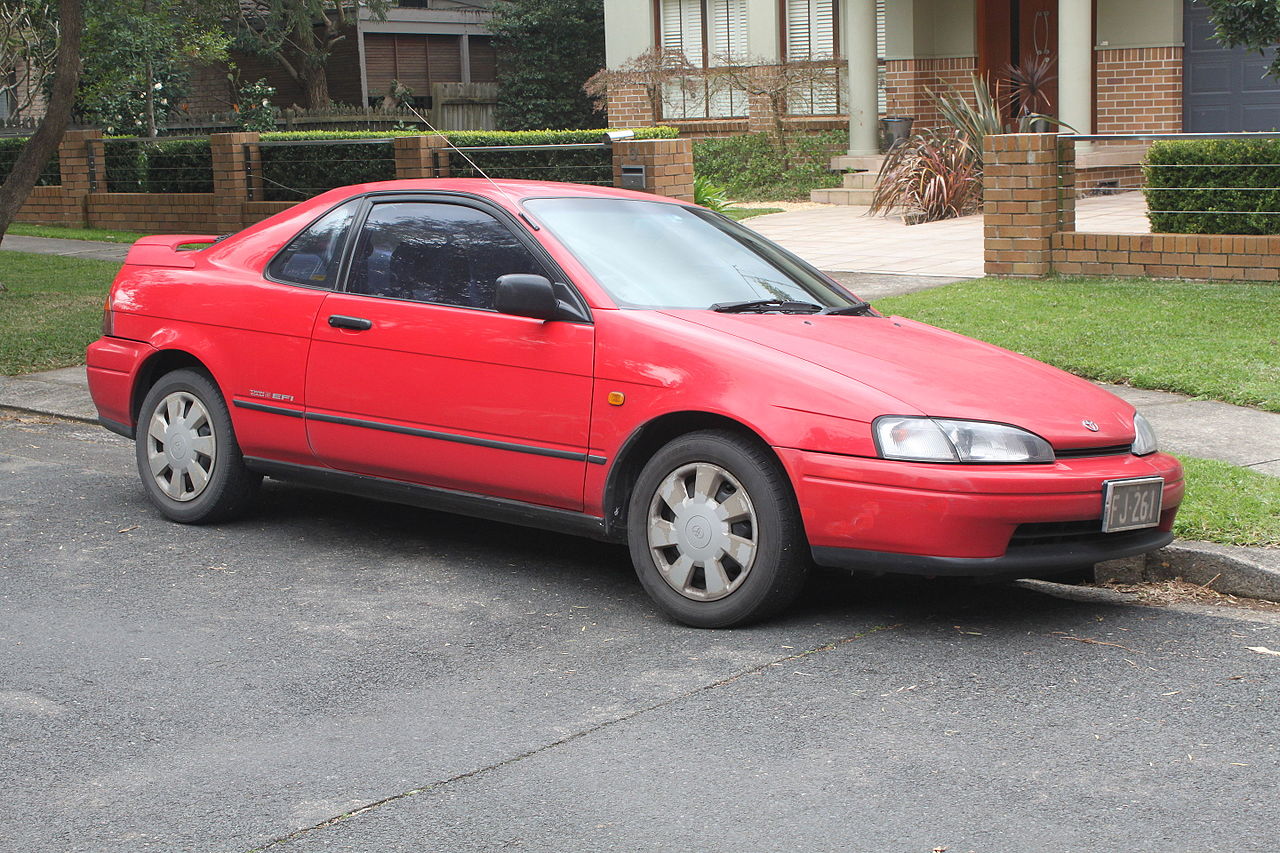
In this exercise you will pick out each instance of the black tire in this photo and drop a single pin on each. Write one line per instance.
(686, 561)
(198, 476)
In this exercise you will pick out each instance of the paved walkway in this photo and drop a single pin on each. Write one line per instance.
(67, 248)
(848, 239)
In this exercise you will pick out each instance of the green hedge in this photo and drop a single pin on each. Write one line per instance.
(292, 173)
(166, 166)
(1234, 186)
(11, 146)
(748, 167)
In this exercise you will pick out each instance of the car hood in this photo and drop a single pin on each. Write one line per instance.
(939, 373)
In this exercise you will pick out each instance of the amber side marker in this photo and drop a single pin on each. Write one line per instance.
(617, 398)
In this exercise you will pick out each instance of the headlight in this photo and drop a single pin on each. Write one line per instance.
(1144, 437)
(940, 440)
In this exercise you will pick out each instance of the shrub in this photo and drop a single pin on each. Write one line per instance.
(163, 166)
(9, 150)
(1235, 186)
(749, 169)
(709, 195)
(292, 173)
(933, 174)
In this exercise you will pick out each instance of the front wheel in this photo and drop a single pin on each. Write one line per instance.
(714, 532)
(187, 453)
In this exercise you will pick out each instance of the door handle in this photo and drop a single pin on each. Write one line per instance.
(340, 321)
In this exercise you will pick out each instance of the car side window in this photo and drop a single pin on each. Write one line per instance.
(435, 252)
(313, 256)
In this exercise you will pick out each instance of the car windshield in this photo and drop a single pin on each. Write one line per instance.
(658, 255)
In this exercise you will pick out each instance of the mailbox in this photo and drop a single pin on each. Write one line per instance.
(633, 177)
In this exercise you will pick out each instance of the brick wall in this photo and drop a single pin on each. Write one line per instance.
(1207, 256)
(906, 82)
(236, 199)
(668, 165)
(629, 106)
(1139, 89)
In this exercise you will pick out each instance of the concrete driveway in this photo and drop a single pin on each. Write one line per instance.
(341, 675)
(847, 239)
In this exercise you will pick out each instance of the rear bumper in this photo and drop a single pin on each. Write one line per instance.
(935, 519)
(112, 367)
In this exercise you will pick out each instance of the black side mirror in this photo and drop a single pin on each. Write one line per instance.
(527, 295)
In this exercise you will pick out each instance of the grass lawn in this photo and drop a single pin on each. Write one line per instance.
(1220, 341)
(741, 213)
(50, 309)
(1229, 505)
(22, 229)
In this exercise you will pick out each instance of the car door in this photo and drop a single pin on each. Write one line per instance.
(414, 376)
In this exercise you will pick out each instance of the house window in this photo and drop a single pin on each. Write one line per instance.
(812, 34)
(709, 33)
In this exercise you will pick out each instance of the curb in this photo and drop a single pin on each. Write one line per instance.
(1238, 571)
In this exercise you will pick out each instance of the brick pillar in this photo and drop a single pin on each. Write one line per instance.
(231, 182)
(83, 170)
(421, 156)
(1021, 205)
(668, 165)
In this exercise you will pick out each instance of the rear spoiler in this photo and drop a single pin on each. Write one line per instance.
(161, 250)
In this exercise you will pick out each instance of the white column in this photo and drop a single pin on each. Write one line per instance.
(858, 20)
(1075, 64)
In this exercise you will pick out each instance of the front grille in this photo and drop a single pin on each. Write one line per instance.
(1083, 452)
(1057, 533)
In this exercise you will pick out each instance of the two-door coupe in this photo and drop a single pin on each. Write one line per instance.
(617, 365)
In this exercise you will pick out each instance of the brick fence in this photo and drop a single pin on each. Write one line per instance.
(1029, 191)
(77, 201)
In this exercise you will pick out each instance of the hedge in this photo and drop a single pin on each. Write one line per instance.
(748, 168)
(164, 166)
(1233, 186)
(11, 146)
(291, 173)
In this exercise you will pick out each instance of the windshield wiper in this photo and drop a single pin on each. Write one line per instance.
(858, 307)
(761, 306)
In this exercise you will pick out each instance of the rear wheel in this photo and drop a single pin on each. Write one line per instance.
(188, 457)
(714, 532)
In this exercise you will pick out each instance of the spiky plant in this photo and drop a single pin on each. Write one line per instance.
(934, 174)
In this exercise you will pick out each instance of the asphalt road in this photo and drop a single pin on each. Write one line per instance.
(467, 686)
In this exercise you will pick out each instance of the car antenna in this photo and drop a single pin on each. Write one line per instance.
(473, 165)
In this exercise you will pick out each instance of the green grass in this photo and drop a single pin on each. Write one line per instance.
(50, 309)
(741, 213)
(1219, 341)
(1229, 505)
(22, 229)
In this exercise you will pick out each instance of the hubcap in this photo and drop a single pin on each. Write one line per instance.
(181, 448)
(702, 531)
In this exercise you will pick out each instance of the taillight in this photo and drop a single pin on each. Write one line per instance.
(108, 318)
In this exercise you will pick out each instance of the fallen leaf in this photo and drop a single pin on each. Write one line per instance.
(1262, 650)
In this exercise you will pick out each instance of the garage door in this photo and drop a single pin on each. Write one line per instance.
(1223, 90)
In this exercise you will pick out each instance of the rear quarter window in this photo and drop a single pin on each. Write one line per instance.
(312, 257)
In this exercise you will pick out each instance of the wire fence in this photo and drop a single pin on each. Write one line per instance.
(171, 164)
(11, 147)
(1192, 183)
(299, 169)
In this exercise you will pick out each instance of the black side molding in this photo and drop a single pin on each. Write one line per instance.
(445, 500)
(117, 427)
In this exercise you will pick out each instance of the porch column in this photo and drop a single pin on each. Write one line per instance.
(1075, 64)
(859, 40)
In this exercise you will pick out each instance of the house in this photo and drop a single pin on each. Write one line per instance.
(1122, 66)
(421, 44)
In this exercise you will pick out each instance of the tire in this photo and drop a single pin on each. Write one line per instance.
(188, 458)
(714, 531)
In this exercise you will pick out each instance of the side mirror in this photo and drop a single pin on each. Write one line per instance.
(527, 295)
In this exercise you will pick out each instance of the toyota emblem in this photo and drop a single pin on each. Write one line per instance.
(1090, 426)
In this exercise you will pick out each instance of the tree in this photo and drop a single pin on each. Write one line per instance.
(62, 92)
(137, 59)
(546, 51)
(656, 71)
(28, 51)
(1252, 24)
(300, 35)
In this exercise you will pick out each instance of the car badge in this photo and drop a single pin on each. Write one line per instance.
(1090, 426)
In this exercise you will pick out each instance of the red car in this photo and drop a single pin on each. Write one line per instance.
(616, 365)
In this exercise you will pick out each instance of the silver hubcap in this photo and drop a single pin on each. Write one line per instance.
(181, 449)
(702, 531)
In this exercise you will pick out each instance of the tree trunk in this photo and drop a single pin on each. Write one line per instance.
(42, 144)
(315, 85)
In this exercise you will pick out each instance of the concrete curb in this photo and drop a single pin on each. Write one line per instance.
(1244, 572)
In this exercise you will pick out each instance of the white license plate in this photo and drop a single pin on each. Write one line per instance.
(1131, 504)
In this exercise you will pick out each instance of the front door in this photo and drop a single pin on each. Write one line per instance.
(413, 376)
(1019, 32)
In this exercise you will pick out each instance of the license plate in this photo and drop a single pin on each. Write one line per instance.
(1131, 504)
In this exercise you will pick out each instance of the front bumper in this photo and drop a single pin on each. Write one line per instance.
(971, 520)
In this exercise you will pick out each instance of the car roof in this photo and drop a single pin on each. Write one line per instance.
(500, 190)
